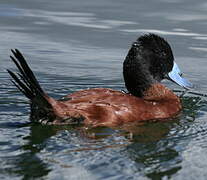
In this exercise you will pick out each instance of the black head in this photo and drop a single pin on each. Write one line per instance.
(148, 61)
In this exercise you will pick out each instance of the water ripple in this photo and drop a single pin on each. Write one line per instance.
(176, 32)
(82, 19)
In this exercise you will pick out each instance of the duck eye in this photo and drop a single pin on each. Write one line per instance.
(163, 54)
(135, 44)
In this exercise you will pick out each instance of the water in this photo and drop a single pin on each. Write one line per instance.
(72, 45)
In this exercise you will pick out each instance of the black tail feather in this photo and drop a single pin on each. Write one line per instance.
(25, 80)
(21, 86)
(26, 69)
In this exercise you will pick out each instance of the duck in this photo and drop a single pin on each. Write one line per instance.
(149, 60)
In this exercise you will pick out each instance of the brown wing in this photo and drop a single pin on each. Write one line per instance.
(107, 107)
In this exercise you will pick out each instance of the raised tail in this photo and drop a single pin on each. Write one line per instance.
(25, 81)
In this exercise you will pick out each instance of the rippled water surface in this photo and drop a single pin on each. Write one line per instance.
(72, 45)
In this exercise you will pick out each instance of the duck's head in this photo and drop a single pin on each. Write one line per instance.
(149, 61)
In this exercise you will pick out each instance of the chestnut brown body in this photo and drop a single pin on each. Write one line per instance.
(107, 107)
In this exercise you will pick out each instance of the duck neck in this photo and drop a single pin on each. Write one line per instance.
(136, 88)
(158, 92)
(136, 76)
(167, 103)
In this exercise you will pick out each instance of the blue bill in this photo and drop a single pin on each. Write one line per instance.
(176, 76)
